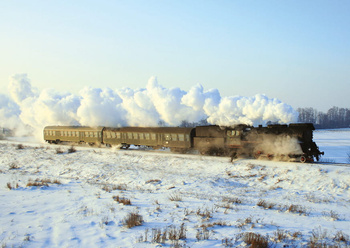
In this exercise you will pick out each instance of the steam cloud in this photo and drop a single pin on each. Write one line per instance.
(277, 144)
(27, 107)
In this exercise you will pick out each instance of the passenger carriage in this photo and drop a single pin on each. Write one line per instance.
(179, 139)
(77, 134)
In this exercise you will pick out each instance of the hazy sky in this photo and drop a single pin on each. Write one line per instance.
(296, 51)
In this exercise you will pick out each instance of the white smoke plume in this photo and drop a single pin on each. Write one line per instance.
(149, 106)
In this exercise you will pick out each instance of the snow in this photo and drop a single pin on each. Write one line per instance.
(216, 201)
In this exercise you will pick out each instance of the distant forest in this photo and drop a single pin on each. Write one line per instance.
(334, 118)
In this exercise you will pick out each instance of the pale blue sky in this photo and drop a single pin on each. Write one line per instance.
(296, 51)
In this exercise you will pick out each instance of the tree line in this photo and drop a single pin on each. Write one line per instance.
(335, 117)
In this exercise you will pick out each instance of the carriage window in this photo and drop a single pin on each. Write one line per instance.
(187, 137)
(118, 135)
(147, 136)
(141, 135)
(129, 135)
(181, 137)
(174, 136)
(231, 133)
(167, 136)
(135, 135)
(69, 133)
(238, 133)
(113, 135)
(153, 136)
(108, 135)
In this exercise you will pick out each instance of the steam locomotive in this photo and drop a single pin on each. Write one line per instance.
(283, 142)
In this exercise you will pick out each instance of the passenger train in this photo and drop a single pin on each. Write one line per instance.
(284, 142)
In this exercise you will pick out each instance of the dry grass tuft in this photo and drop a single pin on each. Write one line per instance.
(175, 233)
(280, 235)
(233, 200)
(120, 187)
(341, 237)
(122, 200)
(332, 214)
(321, 238)
(296, 235)
(293, 208)
(227, 242)
(265, 204)
(154, 181)
(317, 238)
(14, 166)
(133, 219)
(171, 233)
(42, 182)
(56, 181)
(256, 240)
(297, 209)
(215, 223)
(203, 234)
(108, 188)
(175, 197)
(59, 151)
(38, 183)
(72, 149)
(20, 147)
(206, 213)
(11, 186)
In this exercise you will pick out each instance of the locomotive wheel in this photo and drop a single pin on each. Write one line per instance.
(303, 159)
(125, 146)
(257, 155)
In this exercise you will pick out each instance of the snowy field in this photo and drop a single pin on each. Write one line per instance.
(93, 197)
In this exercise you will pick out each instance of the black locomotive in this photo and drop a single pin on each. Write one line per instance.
(282, 142)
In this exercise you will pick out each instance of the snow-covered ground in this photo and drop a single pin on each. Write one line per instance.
(178, 200)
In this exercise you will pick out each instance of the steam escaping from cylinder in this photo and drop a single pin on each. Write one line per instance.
(27, 108)
(281, 144)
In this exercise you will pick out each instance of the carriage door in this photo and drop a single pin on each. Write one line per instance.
(81, 136)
